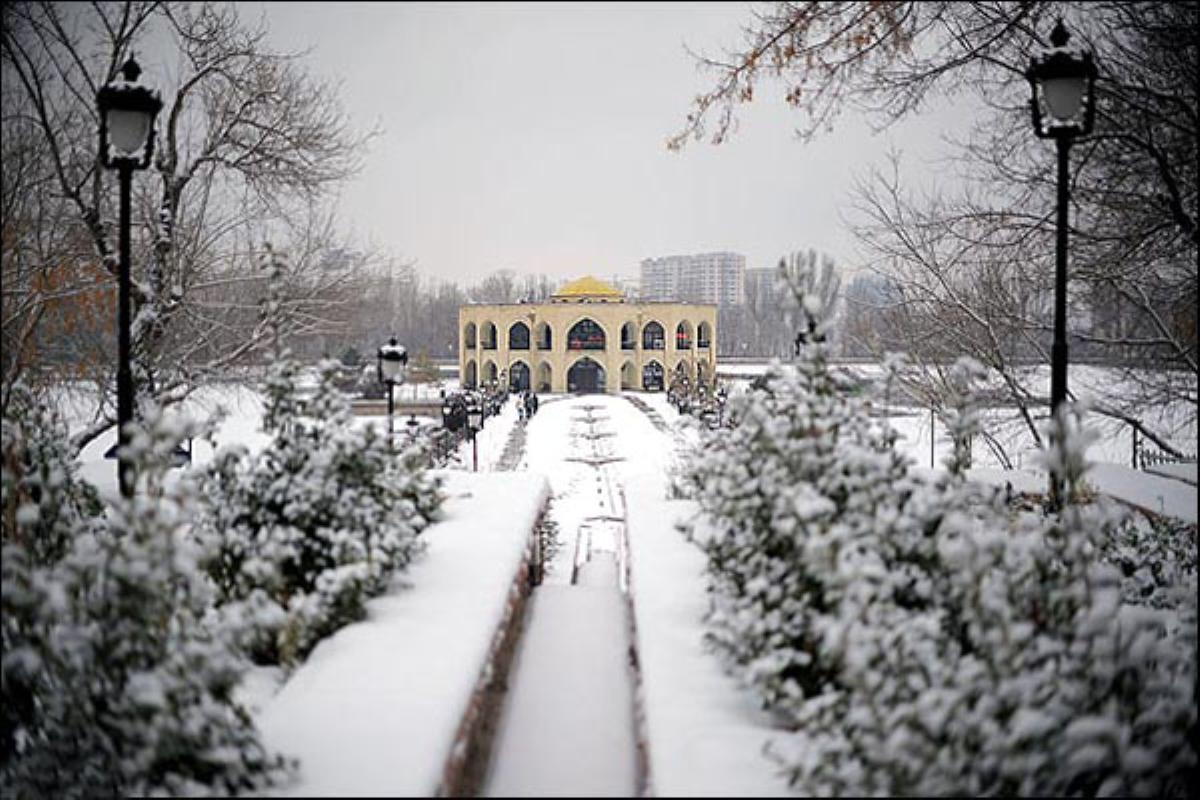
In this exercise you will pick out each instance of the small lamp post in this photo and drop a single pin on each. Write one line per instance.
(392, 358)
(127, 114)
(474, 423)
(1063, 103)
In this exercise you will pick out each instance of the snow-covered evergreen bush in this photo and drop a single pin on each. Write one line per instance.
(793, 495)
(302, 533)
(921, 637)
(45, 503)
(120, 676)
(1155, 556)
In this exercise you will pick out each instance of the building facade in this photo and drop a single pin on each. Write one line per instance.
(588, 338)
(716, 278)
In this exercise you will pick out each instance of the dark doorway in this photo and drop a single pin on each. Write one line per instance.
(518, 377)
(652, 377)
(585, 377)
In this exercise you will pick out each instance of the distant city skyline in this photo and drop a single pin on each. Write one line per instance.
(531, 137)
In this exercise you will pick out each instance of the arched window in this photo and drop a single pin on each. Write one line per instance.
(489, 373)
(585, 335)
(488, 334)
(518, 336)
(469, 336)
(470, 379)
(544, 375)
(653, 337)
(683, 336)
(629, 336)
(545, 340)
(704, 336)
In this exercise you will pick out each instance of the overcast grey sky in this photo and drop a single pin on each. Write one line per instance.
(532, 137)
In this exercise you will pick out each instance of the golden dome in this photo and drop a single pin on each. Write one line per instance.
(587, 287)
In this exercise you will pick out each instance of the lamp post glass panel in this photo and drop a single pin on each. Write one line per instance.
(128, 111)
(392, 359)
(1063, 103)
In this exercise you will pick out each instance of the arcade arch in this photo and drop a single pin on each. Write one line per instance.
(586, 334)
(652, 377)
(653, 336)
(586, 376)
(518, 376)
(683, 336)
(518, 336)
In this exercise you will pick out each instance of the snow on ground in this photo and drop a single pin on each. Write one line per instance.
(568, 726)
(491, 439)
(554, 435)
(705, 733)
(1177, 421)
(1183, 472)
(1161, 495)
(374, 709)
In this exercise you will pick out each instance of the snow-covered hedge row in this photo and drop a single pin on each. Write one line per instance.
(301, 534)
(117, 678)
(923, 637)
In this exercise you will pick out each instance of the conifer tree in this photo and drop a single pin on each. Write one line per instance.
(921, 636)
(117, 679)
(301, 534)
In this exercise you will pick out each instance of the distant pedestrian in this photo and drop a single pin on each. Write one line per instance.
(533, 401)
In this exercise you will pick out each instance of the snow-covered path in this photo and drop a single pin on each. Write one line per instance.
(568, 726)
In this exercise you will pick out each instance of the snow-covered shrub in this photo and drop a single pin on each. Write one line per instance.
(302, 533)
(796, 496)
(1155, 557)
(921, 637)
(122, 677)
(45, 503)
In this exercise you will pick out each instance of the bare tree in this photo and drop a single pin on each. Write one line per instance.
(249, 146)
(975, 268)
(499, 287)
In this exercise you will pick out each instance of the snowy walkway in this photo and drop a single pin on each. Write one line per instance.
(707, 736)
(568, 728)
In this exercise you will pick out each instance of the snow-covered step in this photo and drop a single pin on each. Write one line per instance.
(567, 728)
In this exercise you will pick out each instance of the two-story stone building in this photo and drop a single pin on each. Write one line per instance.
(587, 338)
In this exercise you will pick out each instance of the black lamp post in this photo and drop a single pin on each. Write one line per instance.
(1063, 103)
(127, 114)
(392, 359)
(474, 423)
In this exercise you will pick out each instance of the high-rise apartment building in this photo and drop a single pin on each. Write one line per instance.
(762, 282)
(717, 278)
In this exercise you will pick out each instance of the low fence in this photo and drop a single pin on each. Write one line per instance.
(1145, 457)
